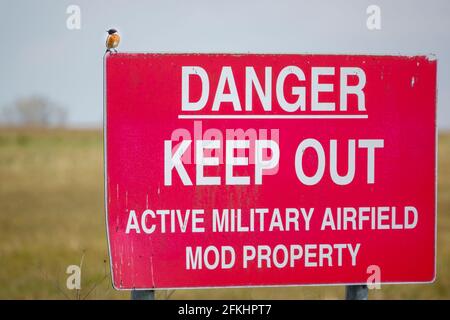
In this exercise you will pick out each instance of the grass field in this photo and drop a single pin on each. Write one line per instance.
(51, 216)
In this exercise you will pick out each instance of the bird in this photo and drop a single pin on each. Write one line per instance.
(112, 41)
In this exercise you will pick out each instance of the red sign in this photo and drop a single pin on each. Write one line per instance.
(253, 170)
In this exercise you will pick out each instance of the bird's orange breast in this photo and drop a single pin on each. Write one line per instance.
(112, 41)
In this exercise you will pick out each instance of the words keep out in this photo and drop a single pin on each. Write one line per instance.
(206, 155)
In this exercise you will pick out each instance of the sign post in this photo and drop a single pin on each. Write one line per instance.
(142, 295)
(237, 170)
(357, 292)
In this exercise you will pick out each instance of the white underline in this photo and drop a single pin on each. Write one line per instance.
(273, 116)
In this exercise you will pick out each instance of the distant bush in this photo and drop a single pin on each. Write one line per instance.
(34, 111)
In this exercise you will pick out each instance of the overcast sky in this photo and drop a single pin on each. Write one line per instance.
(40, 55)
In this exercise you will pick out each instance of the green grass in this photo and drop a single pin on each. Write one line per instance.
(51, 215)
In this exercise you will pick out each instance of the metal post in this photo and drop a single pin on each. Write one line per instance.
(142, 295)
(358, 292)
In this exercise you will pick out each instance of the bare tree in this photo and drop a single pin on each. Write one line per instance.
(34, 111)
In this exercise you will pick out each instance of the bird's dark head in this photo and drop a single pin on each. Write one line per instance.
(111, 31)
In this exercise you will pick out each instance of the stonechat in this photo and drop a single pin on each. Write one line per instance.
(112, 41)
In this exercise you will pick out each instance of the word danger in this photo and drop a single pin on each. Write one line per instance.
(173, 160)
(278, 256)
(263, 88)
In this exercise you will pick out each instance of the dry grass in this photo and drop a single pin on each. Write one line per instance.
(51, 213)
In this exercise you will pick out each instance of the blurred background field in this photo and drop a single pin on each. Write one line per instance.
(51, 216)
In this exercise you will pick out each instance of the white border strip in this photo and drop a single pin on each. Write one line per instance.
(105, 166)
